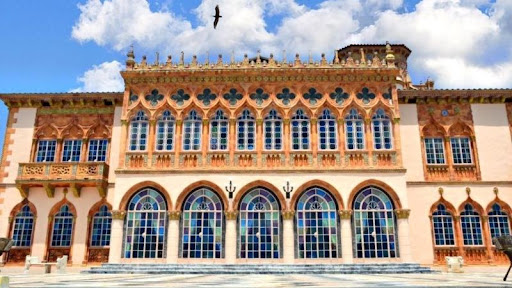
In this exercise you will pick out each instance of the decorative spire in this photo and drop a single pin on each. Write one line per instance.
(182, 59)
(144, 62)
(390, 57)
(310, 60)
(323, 62)
(297, 60)
(130, 60)
(232, 57)
(284, 56)
(207, 60)
(157, 59)
(258, 57)
(271, 61)
(336, 59)
(194, 61)
(219, 60)
(168, 63)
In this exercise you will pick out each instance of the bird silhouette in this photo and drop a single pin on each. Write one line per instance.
(216, 16)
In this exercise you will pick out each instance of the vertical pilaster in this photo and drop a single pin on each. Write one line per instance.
(341, 139)
(397, 146)
(288, 241)
(346, 236)
(314, 140)
(459, 241)
(34, 150)
(124, 144)
(116, 236)
(83, 151)
(231, 239)
(179, 141)
(204, 142)
(259, 140)
(368, 134)
(58, 151)
(449, 157)
(286, 140)
(487, 238)
(150, 145)
(404, 245)
(173, 237)
(232, 140)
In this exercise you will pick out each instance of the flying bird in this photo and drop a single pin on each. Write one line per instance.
(216, 16)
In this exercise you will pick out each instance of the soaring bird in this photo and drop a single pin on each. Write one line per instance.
(216, 16)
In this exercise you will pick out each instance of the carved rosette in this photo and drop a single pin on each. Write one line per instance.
(402, 213)
(288, 214)
(118, 214)
(345, 214)
(231, 215)
(174, 215)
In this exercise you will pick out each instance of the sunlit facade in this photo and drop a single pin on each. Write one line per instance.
(260, 161)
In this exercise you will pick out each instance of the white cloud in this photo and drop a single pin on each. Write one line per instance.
(453, 41)
(102, 78)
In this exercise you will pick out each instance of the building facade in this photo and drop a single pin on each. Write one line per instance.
(260, 161)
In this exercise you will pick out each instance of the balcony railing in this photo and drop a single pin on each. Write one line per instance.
(73, 175)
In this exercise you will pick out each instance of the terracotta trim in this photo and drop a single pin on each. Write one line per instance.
(317, 183)
(94, 209)
(262, 184)
(51, 218)
(237, 170)
(475, 205)
(447, 204)
(200, 184)
(379, 184)
(504, 206)
(139, 186)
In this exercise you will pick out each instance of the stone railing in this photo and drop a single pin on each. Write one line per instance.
(74, 175)
(441, 252)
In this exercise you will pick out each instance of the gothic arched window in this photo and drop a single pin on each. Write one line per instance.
(327, 132)
(498, 221)
(145, 225)
(374, 225)
(382, 135)
(442, 223)
(471, 226)
(62, 231)
(101, 227)
(219, 132)
(202, 225)
(354, 130)
(300, 131)
(246, 127)
(165, 132)
(273, 127)
(317, 222)
(139, 132)
(192, 127)
(260, 225)
(23, 227)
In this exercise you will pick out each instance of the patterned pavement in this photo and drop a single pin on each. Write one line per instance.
(473, 277)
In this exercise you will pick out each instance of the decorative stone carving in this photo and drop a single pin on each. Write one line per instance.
(154, 97)
(365, 95)
(339, 96)
(313, 96)
(118, 214)
(288, 214)
(206, 97)
(259, 96)
(231, 215)
(402, 213)
(174, 215)
(233, 96)
(345, 214)
(286, 96)
(180, 97)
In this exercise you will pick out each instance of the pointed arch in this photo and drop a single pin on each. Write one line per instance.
(478, 208)
(139, 186)
(255, 184)
(218, 105)
(379, 184)
(326, 105)
(20, 205)
(460, 129)
(317, 183)
(504, 205)
(197, 185)
(132, 113)
(433, 129)
(387, 110)
(56, 207)
(446, 204)
(99, 131)
(48, 131)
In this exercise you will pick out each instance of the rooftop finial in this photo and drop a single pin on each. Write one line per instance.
(144, 61)
(219, 60)
(194, 61)
(258, 57)
(157, 59)
(130, 61)
(310, 58)
(323, 62)
(297, 59)
(390, 57)
(284, 56)
(336, 58)
(207, 60)
(232, 57)
(182, 59)
(168, 64)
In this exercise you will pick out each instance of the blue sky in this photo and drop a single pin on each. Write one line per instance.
(62, 45)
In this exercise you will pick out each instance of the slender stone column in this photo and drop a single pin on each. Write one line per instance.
(231, 240)
(116, 236)
(173, 237)
(346, 236)
(150, 145)
(314, 140)
(288, 241)
(402, 216)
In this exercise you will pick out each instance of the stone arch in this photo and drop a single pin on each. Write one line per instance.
(504, 206)
(73, 131)
(353, 105)
(460, 129)
(433, 129)
(163, 108)
(245, 106)
(99, 131)
(20, 205)
(446, 204)
(186, 111)
(201, 184)
(379, 184)
(388, 110)
(48, 131)
(262, 184)
(478, 208)
(137, 187)
(133, 112)
(317, 183)
(273, 106)
(218, 105)
(326, 105)
(55, 209)
(94, 209)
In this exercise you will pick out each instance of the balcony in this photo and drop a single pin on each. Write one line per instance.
(72, 175)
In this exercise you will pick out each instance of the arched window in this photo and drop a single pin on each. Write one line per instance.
(498, 221)
(327, 134)
(101, 226)
(192, 127)
(23, 227)
(461, 150)
(139, 132)
(62, 227)
(317, 234)
(46, 150)
(165, 132)
(219, 132)
(246, 127)
(442, 223)
(354, 130)
(300, 131)
(202, 227)
(260, 225)
(71, 150)
(374, 225)
(145, 225)
(471, 226)
(273, 128)
(382, 136)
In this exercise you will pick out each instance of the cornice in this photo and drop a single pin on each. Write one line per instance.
(61, 100)
(290, 170)
(459, 183)
(442, 96)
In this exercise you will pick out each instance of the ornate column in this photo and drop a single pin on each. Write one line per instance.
(124, 144)
(205, 141)
(397, 146)
(487, 238)
(459, 241)
(368, 133)
(33, 151)
(58, 151)
(449, 157)
(173, 237)
(346, 236)
(341, 139)
(232, 140)
(177, 144)
(231, 239)
(288, 240)
(314, 140)
(83, 151)
(151, 142)
(402, 216)
(286, 140)
(259, 140)
(116, 236)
